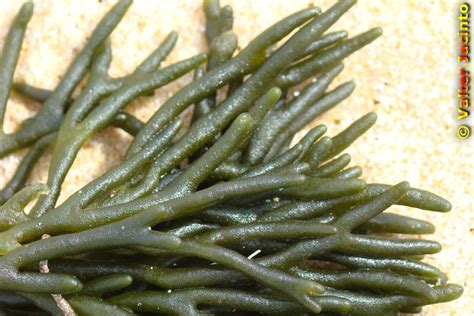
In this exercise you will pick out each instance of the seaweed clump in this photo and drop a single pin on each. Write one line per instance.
(250, 224)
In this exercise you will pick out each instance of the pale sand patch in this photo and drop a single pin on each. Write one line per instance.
(406, 77)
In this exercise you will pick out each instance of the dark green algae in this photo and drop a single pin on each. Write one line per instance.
(249, 223)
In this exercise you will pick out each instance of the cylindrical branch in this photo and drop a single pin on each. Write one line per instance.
(313, 188)
(321, 188)
(415, 198)
(69, 143)
(166, 278)
(36, 94)
(360, 214)
(221, 49)
(205, 105)
(100, 86)
(318, 151)
(346, 242)
(187, 228)
(419, 269)
(212, 11)
(32, 282)
(190, 179)
(397, 224)
(392, 304)
(218, 20)
(58, 246)
(93, 306)
(300, 210)
(369, 245)
(326, 41)
(97, 87)
(126, 170)
(338, 205)
(309, 139)
(36, 227)
(187, 302)
(325, 103)
(11, 299)
(320, 61)
(199, 134)
(323, 43)
(349, 173)
(232, 215)
(245, 62)
(253, 247)
(123, 120)
(26, 165)
(203, 199)
(158, 56)
(380, 281)
(237, 133)
(189, 277)
(299, 290)
(227, 171)
(298, 252)
(275, 231)
(331, 168)
(51, 113)
(12, 212)
(10, 54)
(231, 170)
(295, 288)
(281, 161)
(66, 220)
(388, 247)
(279, 120)
(309, 209)
(226, 21)
(130, 231)
(345, 138)
(242, 99)
(127, 122)
(106, 284)
(45, 302)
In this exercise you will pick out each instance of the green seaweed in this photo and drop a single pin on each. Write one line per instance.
(233, 215)
(52, 111)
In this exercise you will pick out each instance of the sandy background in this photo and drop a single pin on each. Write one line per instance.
(407, 77)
